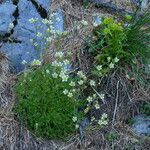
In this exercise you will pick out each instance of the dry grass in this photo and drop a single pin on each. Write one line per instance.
(73, 13)
(123, 95)
(4, 83)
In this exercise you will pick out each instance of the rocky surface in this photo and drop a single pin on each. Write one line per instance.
(44, 3)
(16, 44)
(141, 125)
(6, 16)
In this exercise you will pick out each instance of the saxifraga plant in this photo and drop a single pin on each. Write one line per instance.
(42, 106)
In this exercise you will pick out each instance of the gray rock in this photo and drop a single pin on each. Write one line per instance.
(97, 20)
(44, 3)
(141, 125)
(17, 52)
(6, 16)
(58, 26)
(145, 4)
(26, 30)
(83, 124)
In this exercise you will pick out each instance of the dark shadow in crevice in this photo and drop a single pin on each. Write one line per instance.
(43, 12)
(7, 36)
(11, 40)
(112, 7)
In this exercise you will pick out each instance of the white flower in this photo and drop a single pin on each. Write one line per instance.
(11, 25)
(73, 90)
(36, 62)
(70, 94)
(102, 96)
(89, 99)
(72, 83)
(76, 126)
(65, 91)
(78, 27)
(45, 21)
(81, 75)
(50, 22)
(99, 67)
(39, 34)
(74, 118)
(111, 65)
(47, 71)
(92, 83)
(51, 27)
(54, 63)
(36, 125)
(31, 40)
(83, 22)
(35, 44)
(52, 15)
(116, 60)
(59, 32)
(62, 73)
(80, 82)
(102, 122)
(24, 62)
(93, 118)
(95, 24)
(59, 64)
(84, 77)
(49, 39)
(66, 62)
(59, 54)
(33, 20)
(97, 106)
(108, 59)
(86, 110)
(63, 70)
(54, 75)
(69, 53)
(94, 95)
(65, 32)
(64, 78)
(48, 30)
(104, 116)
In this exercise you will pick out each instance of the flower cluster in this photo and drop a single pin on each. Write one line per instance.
(36, 62)
(60, 71)
(33, 20)
(104, 120)
(47, 35)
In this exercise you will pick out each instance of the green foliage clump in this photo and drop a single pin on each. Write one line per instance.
(112, 37)
(125, 43)
(107, 47)
(42, 106)
(112, 136)
(138, 36)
